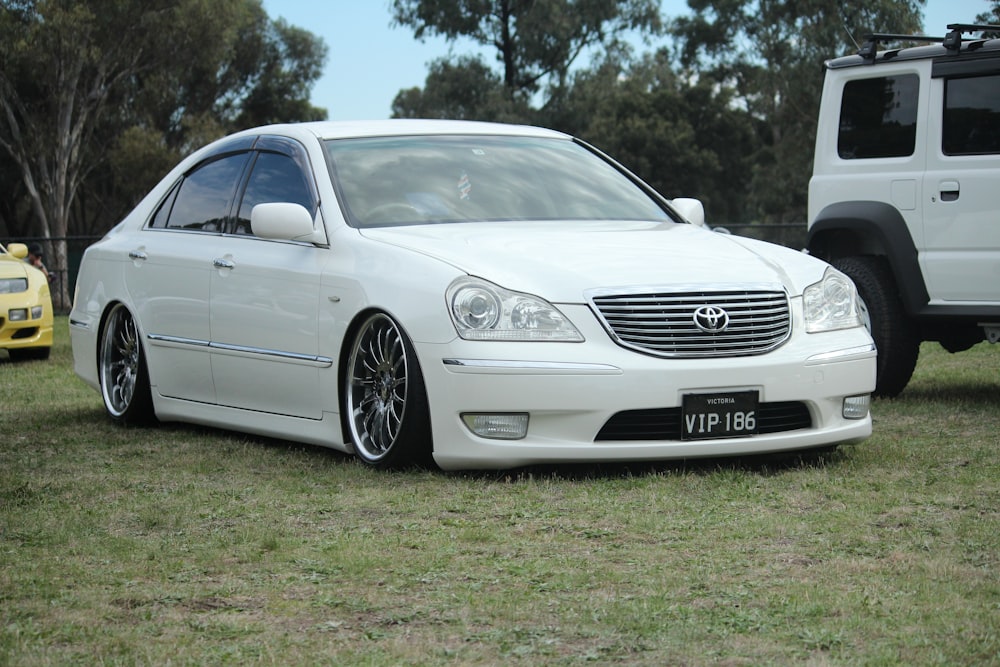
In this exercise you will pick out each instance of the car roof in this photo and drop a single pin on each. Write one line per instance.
(398, 127)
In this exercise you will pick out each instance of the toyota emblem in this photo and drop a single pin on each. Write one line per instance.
(711, 319)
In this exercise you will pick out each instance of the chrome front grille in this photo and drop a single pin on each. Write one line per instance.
(664, 323)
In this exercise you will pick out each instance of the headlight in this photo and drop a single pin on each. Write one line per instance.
(484, 311)
(13, 285)
(831, 304)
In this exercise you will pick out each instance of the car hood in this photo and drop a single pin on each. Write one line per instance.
(11, 267)
(560, 261)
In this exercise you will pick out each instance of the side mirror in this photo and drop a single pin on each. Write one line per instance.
(17, 250)
(282, 221)
(691, 210)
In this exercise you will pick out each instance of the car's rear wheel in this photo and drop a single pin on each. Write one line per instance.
(123, 374)
(882, 310)
(384, 397)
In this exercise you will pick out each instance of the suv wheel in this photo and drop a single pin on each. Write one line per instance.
(895, 336)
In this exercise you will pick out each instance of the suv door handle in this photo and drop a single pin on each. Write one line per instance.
(221, 263)
(949, 191)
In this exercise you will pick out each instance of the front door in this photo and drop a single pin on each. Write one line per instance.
(265, 301)
(960, 256)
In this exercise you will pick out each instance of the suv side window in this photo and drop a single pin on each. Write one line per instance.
(202, 199)
(972, 116)
(878, 117)
(275, 178)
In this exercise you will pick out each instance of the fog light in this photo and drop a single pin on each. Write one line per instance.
(17, 314)
(36, 312)
(856, 407)
(498, 426)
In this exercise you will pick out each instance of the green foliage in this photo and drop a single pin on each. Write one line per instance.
(683, 139)
(85, 83)
(990, 17)
(770, 53)
(534, 41)
(188, 546)
(463, 89)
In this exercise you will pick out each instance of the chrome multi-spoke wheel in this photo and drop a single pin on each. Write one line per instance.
(124, 380)
(384, 396)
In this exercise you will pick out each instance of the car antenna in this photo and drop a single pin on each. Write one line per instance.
(843, 24)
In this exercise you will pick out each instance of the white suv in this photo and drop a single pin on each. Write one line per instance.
(905, 192)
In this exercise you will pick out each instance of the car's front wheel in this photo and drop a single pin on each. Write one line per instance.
(384, 397)
(882, 310)
(122, 369)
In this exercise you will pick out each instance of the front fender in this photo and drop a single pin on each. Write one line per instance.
(871, 228)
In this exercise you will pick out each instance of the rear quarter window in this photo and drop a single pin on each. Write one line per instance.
(878, 117)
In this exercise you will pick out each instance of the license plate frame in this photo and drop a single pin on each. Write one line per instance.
(729, 414)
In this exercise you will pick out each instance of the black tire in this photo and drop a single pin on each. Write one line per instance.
(122, 370)
(385, 401)
(894, 333)
(29, 354)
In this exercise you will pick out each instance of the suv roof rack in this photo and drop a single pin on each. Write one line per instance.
(955, 31)
(952, 41)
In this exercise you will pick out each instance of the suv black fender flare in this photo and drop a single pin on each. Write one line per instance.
(871, 228)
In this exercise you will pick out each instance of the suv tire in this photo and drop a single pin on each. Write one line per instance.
(895, 335)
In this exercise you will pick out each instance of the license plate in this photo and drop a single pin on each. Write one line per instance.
(729, 415)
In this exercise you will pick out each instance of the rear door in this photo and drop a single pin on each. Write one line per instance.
(170, 272)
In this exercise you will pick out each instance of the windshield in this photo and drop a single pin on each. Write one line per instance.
(420, 179)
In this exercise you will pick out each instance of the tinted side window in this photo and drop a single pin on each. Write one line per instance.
(275, 178)
(878, 117)
(204, 196)
(972, 116)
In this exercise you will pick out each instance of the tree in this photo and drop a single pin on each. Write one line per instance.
(75, 75)
(463, 89)
(771, 52)
(685, 139)
(990, 17)
(287, 64)
(535, 42)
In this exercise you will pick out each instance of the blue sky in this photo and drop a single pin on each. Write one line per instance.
(370, 61)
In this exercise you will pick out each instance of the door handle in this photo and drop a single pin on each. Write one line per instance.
(950, 191)
(137, 255)
(221, 263)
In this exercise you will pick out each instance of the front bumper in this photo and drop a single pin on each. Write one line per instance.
(30, 332)
(570, 391)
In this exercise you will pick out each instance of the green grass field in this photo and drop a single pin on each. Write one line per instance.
(184, 546)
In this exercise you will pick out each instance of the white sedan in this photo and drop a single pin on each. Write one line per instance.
(468, 295)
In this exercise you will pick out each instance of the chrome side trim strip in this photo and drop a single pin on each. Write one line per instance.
(178, 341)
(528, 367)
(241, 350)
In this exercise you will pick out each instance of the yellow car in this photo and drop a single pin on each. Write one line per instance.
(25, 306)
